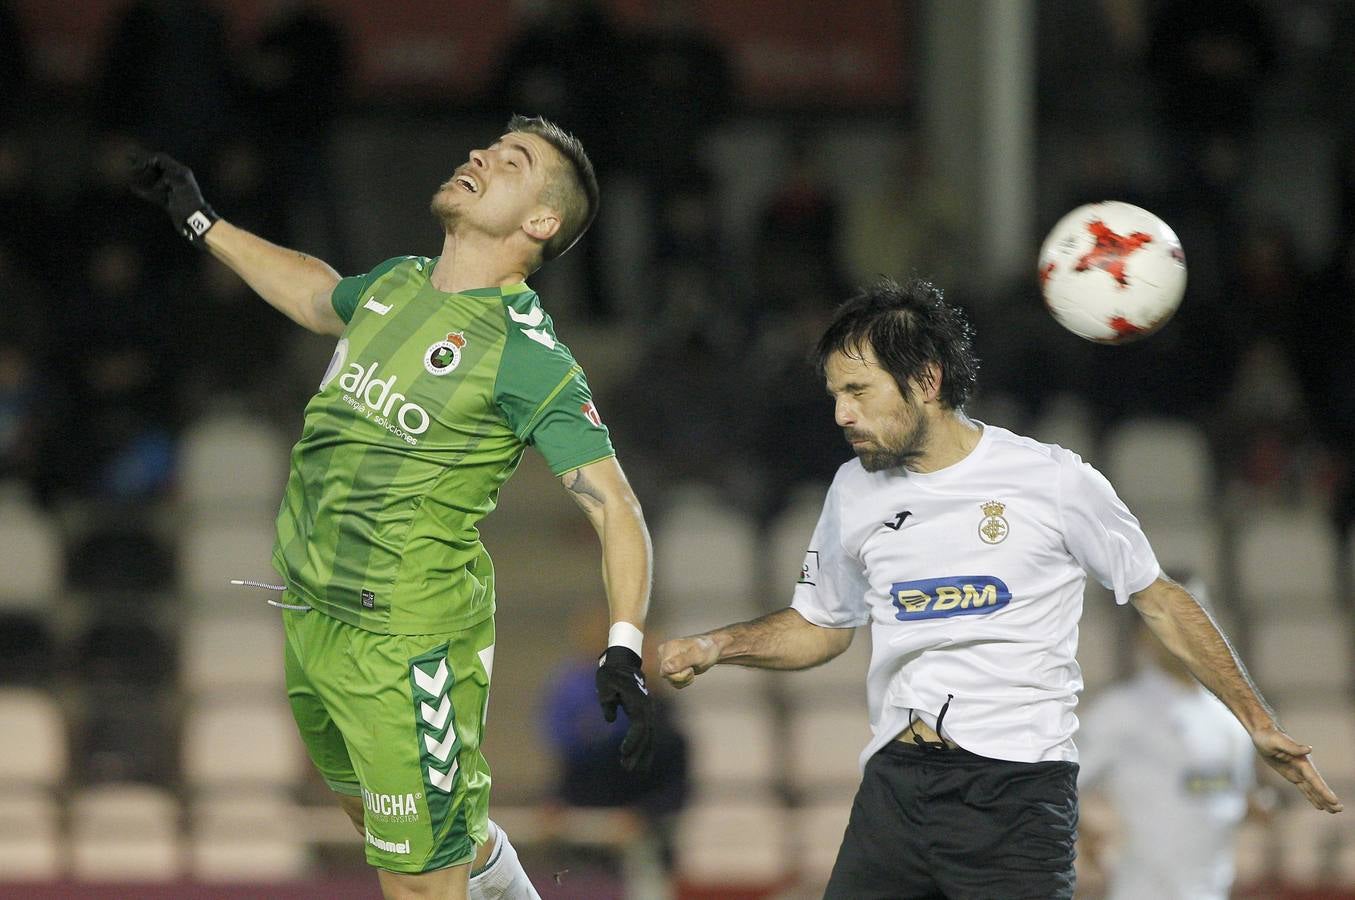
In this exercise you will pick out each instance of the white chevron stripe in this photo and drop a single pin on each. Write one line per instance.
(443, 781)
(487, 660)
(440, 750)
(436, 717)
(433, 684)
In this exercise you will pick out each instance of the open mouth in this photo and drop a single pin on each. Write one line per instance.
(466, 183)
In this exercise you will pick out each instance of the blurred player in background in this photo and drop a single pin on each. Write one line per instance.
(967, 549)
(1180, 773)
(445, 371)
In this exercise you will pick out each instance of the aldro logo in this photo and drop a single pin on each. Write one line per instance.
(941, 598)
(376, 398)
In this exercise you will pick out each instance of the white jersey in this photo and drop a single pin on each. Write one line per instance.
(1177, 767)
(972, 580)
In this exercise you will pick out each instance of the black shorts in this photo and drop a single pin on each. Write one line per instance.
(931, 823)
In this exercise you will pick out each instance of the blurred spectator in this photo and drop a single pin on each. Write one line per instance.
(1180, 774)
(797, 238)
(567, 64)
(1209, 60)
(298, 76)
(14, 66)
(684, 88)
(909, 224)
(790, 430)
(167, 79)
(694, 283)
(586, 748)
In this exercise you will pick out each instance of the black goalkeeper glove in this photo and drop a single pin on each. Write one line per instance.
(621, 683)
(169, 183)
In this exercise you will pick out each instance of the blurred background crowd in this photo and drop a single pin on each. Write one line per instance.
(758, 159)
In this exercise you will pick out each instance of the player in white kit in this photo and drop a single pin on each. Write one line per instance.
(966, 547)
(1180, 773)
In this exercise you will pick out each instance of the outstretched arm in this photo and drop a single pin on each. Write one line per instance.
(602, 492)
(1189, 632)
(297, 285)
(605, 496)
(780, 640)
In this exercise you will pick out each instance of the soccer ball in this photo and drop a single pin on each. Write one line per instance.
(1112, 272)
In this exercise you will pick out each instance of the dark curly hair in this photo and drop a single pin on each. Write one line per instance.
(907, 326)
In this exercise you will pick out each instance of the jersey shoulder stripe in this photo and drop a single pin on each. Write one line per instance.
(348, 292)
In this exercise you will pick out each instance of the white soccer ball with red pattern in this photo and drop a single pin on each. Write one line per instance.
(1112, 272)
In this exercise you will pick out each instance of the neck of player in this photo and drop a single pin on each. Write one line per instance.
(476, 260)
(952, 437)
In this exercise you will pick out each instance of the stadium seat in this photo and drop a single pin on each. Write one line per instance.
(1287, 562)
(34, 748)
(732, 843)
(125, 832)
(1067, 421)
(1160, 464)
(788, 537)
(125, 733)
(818, 829)
(233, 653)
(1309, 841)
(232, 466)
(252, 835)
(825, 744)
(118, 650)
(30, 835)
(27, 648)
(1191, 544)
(242, 743)
(732, 746)
(30, 556)
(99, 561)
(706, 554)
(841, 680)
(1294, 656)
(211, 554)
(1330, 729)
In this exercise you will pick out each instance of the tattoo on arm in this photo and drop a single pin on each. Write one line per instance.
(586, 493)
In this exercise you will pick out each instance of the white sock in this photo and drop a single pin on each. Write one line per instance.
(503, 877)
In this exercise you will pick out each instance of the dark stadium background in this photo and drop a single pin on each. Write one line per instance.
(758, 159)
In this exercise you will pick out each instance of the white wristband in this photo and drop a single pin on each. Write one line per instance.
(624, 634)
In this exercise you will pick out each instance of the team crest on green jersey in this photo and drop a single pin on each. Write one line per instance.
(445, 355)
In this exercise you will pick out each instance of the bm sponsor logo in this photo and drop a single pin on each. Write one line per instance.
(941, 598)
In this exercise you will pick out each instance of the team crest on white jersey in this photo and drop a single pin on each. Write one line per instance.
(445, 355)
(994, 528)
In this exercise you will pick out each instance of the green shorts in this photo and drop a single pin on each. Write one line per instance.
(397, 719)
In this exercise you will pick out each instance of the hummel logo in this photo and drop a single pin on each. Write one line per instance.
(898, 520)
(379, 308)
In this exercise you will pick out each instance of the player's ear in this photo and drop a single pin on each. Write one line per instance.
(930, 381)
(542, 224)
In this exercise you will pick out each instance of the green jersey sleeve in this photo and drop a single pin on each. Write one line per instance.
(348, 292)
(544, 396)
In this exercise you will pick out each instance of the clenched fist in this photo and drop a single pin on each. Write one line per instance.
(682, 659)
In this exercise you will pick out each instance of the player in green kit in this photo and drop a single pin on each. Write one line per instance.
(445, 371)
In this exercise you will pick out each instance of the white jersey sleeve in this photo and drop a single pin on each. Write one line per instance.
(832, 588)
(1101, 533)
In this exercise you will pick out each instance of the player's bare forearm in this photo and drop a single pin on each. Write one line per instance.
(1190, 633)
(605, 496)
(780, 640)
(297, 285)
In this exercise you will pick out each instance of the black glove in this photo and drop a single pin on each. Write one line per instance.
(165, 181)
(621, 683)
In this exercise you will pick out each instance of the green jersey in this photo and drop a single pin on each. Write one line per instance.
(424, 412)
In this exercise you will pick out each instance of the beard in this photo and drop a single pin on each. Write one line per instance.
(448, 216)
(893, 449)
